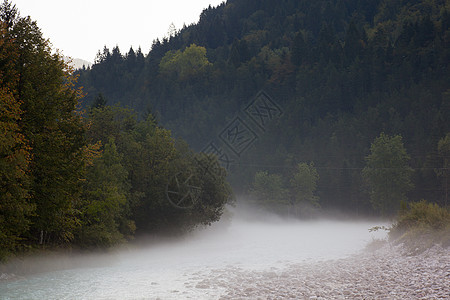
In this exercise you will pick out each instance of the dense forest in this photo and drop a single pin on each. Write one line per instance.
(302, 106)
(87, 178)
(331, 103)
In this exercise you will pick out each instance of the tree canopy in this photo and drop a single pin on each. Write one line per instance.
(89, 179)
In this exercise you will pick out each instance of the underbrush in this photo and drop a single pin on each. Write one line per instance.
(421, 226)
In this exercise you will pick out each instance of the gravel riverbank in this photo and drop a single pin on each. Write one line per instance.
(251, 262)
(387, 273)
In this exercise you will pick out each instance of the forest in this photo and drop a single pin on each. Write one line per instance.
(311, 105)
(92, 178)
(301, 107)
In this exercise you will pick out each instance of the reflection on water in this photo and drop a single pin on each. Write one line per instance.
(173, 269)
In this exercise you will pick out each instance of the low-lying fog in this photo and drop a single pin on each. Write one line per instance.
(172, 268)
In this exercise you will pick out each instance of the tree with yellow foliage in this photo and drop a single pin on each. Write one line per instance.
(184, 64)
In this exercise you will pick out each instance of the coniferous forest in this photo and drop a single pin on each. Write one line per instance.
(299, 106)
(341, 79)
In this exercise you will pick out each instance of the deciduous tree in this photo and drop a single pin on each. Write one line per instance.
(304, 184)
(104, 205)
(45, 89)
(269, 189)
(185, 64)
(387, 173)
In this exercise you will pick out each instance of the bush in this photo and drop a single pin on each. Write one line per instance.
(422, 226)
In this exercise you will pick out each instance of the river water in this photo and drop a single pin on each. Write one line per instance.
(177, 269)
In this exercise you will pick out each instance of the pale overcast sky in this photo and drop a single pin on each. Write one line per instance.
(80, 28)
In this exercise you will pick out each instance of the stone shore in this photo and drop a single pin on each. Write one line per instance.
(387, 273)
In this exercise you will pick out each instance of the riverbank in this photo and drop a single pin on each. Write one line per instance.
(387, 273)
(249, 260)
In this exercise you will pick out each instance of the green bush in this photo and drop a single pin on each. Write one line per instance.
(421, 226)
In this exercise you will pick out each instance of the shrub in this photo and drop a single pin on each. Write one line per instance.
(421, 226)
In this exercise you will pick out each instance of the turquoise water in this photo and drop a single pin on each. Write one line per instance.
(174, 269)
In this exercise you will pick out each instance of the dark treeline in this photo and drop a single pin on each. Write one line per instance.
(92, 178)
(348, 75)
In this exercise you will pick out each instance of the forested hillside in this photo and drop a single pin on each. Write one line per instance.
(340, 76)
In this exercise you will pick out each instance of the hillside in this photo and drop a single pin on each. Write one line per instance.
(335, 74)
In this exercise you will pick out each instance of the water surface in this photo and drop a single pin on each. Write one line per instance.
(175, 269)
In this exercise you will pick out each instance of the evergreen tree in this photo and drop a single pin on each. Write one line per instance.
(353, 44)
(299, 49)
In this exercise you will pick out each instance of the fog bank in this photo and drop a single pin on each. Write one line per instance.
(157, 268)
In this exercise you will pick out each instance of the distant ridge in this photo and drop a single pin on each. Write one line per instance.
(78, 63)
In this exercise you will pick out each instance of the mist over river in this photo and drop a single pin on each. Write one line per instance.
(203, 265)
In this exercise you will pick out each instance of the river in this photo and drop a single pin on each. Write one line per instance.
(184, 268)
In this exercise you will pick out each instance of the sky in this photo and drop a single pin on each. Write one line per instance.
(80, 28)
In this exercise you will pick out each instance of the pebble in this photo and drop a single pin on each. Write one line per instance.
(388, 273)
